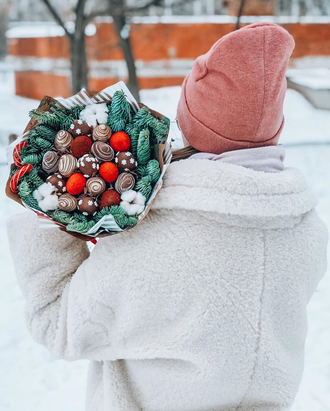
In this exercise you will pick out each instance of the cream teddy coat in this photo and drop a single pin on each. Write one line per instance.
(202, 307)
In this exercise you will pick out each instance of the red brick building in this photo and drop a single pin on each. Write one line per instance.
(164, 49)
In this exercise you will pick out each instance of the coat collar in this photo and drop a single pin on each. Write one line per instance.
(230, 189)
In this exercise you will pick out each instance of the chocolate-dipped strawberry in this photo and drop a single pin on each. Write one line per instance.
(63, 140)
(102, 133)
(58, 182)
(124, 182)
(125, 161)
(87, 205)
(66, 202)
(95, 186)
(88, 165)
(50, 162)
(102, 151)
(67, 165)
(79, 128)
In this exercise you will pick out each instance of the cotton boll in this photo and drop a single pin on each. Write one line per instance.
(140, 208)
(46, 189)
(93, 107)
(102, 118)
(130, 209)
(128, 196)
(139, 199)
(37, 195)
(50, 202)
(126, 206)
(91, 120)
(101, 108)
(85, 113)
(135, 209)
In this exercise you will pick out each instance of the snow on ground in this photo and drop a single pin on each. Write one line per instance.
(33, 381)
(317, 79)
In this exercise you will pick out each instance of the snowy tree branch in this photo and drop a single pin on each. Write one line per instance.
(57, 17)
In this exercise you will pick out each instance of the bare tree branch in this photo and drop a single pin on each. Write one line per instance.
(57, 17)
(239, 14)
(92, 16)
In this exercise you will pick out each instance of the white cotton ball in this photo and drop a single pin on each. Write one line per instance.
(85, 113)
(131, 209)
(93, 107)
(91, 120)
(50, 202)
(46, 189)
(126, 206)
(139, 199)
(37, 195)
(140, 208)
(128, 196)
(101, 118)
(101, 108)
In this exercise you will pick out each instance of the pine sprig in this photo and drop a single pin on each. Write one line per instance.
(33, 179)
(80, 227)
(120, 112)
(61, 216)
(43, 144)
(24, 190)
(31, 201)
(153, 170)
(32, 159)
(133, 131)
(53, 120)
(141, 170)
(80, 218)
(143, 147)
(159, 128)
(66, 122)
(43, 131)
(75, 112)
(144, 186)
(119, 215)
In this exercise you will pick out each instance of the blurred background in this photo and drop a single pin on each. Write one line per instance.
(55, 48)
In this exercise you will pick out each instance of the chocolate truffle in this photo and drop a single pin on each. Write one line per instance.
(50, 162)
(124, 182)
(102, 151)
(125, 160)
(87, 205)
(67, 202)
(109, 198)
(63, 140)
(67, 165)
(102, 133)
(95, 185)
(79, 128)
(88, 165)
(58, 182)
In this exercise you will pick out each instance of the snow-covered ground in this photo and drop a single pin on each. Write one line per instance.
(32, 381)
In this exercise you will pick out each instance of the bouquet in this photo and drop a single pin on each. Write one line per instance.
(92, 164)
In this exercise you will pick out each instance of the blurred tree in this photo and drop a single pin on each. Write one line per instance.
(79, 76)
(121, 11)
(239, 13)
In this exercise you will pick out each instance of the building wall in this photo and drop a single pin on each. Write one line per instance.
(164, 54)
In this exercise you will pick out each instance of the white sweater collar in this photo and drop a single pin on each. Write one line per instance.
(268, 159)
(226, 188)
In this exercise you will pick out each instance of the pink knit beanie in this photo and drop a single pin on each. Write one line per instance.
(233, 97)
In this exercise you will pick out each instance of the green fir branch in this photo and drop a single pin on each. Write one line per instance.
(80, 227)
(143, 147)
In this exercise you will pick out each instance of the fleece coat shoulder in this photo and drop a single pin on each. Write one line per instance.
(200, 307)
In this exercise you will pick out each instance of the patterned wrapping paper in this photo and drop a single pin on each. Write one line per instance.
(107, 225)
